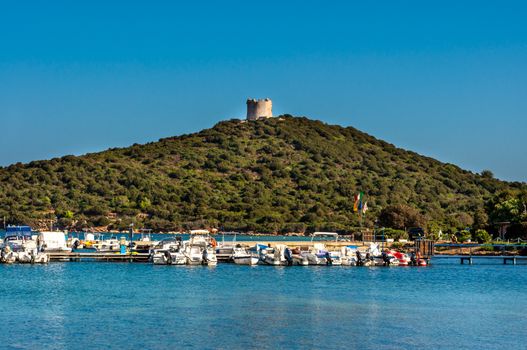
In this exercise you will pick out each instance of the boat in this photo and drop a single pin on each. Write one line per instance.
(363, 259)
(271, 256)
(20, 245)
(225, 250)
(200, 248)
(52, 241)
(110, 245)
(349, 255)
(319, 254)
(32, 257)
(169, 252)
(7, 255)
(417, 260)
(243, 256)
(294, 257)
(19, 238)
(404, 259)
(384, 258)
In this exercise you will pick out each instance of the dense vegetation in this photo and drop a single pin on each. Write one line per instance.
(281, 174)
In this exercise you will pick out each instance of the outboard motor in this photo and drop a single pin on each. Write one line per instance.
(360, 261)
(288, 256)
(329, 261)
(385, 258)
(168, 257)
(413, 259)
(76, 244)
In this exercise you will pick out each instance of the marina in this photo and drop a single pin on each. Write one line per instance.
(200, 247)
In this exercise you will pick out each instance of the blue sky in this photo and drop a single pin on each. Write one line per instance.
(447, 79)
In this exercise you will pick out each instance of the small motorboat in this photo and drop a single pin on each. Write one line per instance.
(19, 238)
(169, 252)
(32, 257)
(404, 259)
(348, 255)
(110, 245)
(8, 256)
(243, 256)
(319, 255)
(200, 248)
(295, 257)
(271, 256)
(364, 259)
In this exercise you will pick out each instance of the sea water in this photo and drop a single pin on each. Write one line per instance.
(99, 305)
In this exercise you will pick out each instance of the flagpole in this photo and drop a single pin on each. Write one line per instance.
(361, 218)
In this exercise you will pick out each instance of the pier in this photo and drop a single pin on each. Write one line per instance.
(98, 256)
(469, 259)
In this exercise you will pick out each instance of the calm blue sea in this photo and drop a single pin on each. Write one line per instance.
(132, 305)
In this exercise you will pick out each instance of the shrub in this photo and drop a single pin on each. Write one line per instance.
(395, 234)
(463, 236)
(481, 236)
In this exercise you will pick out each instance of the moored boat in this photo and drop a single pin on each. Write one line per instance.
(52, 241)
(200, 248)
(169, 252)
(243, 256)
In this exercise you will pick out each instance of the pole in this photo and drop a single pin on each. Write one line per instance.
(360, 218)
(131, 237)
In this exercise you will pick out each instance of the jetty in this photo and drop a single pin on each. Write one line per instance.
(98, 256)
(470, 259)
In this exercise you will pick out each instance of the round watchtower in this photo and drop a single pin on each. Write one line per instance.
(261, 108)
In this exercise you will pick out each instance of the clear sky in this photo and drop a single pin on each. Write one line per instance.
(447, 79)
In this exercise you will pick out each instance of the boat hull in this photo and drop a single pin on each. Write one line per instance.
(245, 260)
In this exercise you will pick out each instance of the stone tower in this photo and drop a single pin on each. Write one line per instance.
(257, 109)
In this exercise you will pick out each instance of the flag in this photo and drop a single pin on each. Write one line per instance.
(357, 206)
(356, 203)
(365, 208)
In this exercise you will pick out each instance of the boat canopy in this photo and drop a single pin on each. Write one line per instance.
(23, 231)
(199, 232)
(321, 234)
(258, 247)
(18, 229)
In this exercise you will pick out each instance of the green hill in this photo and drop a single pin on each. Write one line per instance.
(280, 174)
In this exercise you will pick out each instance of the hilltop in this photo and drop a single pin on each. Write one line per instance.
(278, 174)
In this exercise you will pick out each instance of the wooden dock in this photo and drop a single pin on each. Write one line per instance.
(97, 256)
(469, 259)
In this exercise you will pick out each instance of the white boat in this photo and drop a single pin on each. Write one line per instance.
(110, 245)
(319, 254)
(295, 257)
(379, 258)
(242, 256)
(364, 259)
(271, 256)
(169, 252)
(8, 256)
(200, 248)
(19, 238)
(32, 257)
(52, 241)
(348, 255)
